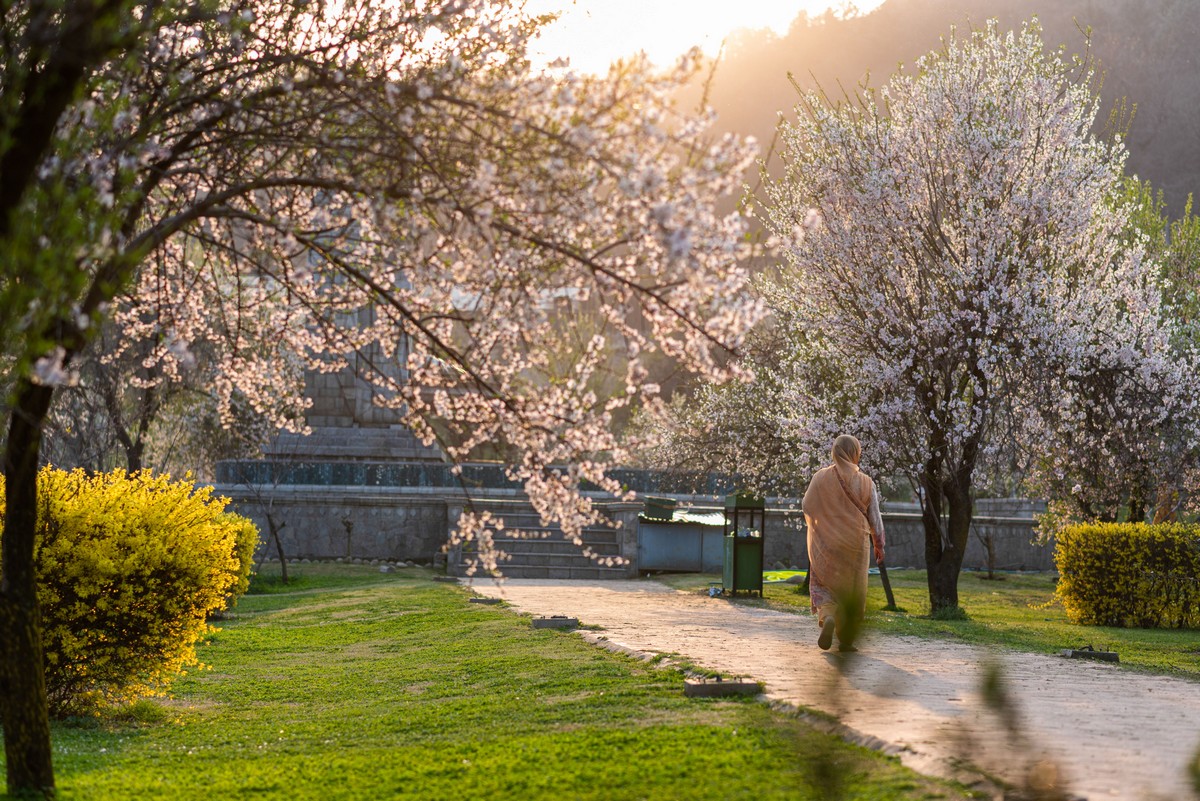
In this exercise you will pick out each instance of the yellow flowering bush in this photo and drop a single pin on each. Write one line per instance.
(130, 567)
(1130, 574)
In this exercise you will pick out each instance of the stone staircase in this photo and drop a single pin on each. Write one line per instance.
(544, 551)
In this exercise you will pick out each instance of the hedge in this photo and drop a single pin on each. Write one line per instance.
(1130, 574)
(129, 569)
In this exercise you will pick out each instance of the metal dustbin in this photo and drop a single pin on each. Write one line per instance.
(659, 508)
(743, 564)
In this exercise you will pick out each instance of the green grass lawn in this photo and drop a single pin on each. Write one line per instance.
(1016, 611)
(351, 684)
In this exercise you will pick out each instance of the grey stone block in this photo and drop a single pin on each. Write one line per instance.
(1090, 653)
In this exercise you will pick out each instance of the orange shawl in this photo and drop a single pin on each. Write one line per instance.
(839, 536)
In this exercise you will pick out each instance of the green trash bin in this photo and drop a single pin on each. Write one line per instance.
(743, 562)
(743, 567)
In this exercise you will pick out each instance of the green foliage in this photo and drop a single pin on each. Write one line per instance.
(364, 685)
(129, 569)
(1175, 245)
(1130, 574)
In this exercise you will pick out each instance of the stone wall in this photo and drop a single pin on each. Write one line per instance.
(364, 522)
(1011, 538)
(413, 523)
(385, 523)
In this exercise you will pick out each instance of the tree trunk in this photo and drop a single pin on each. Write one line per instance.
(1137, 506)
(275, 529)
(945, 536)
(147, 411)
(23, 711)
(942, 579)
(942, 573)
(133, 457)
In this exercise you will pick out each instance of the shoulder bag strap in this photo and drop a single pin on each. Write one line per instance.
(853, 500)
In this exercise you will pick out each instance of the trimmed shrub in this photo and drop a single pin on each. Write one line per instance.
(1130, 574)
(129, 569)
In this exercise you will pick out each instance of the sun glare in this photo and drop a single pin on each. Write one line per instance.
(594, 33)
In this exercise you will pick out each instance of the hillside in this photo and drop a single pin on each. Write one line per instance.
(1146, 50)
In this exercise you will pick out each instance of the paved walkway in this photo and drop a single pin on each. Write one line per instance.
(1109, 733)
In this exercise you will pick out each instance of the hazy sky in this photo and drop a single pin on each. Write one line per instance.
(592, 33)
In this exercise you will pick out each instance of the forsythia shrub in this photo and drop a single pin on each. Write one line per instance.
(1130, 574)
(129, 568)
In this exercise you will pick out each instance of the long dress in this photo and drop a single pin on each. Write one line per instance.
(839, 542)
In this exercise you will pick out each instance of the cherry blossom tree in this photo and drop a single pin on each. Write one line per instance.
(255, 179)
(106, 418)
(738, 429)
(122, 412)
(1132, 420)
(961, 280)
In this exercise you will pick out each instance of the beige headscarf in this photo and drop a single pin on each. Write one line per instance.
(846, 453)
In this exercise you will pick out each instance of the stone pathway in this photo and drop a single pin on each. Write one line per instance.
(1108, 732)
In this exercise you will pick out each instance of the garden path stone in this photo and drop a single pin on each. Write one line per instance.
(1113, 733)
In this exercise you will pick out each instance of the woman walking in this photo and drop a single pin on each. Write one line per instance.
(841, 509)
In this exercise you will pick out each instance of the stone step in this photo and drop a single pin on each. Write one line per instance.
(525, 558)
(544, 558)
(554, 535)
(518, 517)
(554, 572)
(551, 532)
(537, 526)
(545, 552)
(515, 546)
